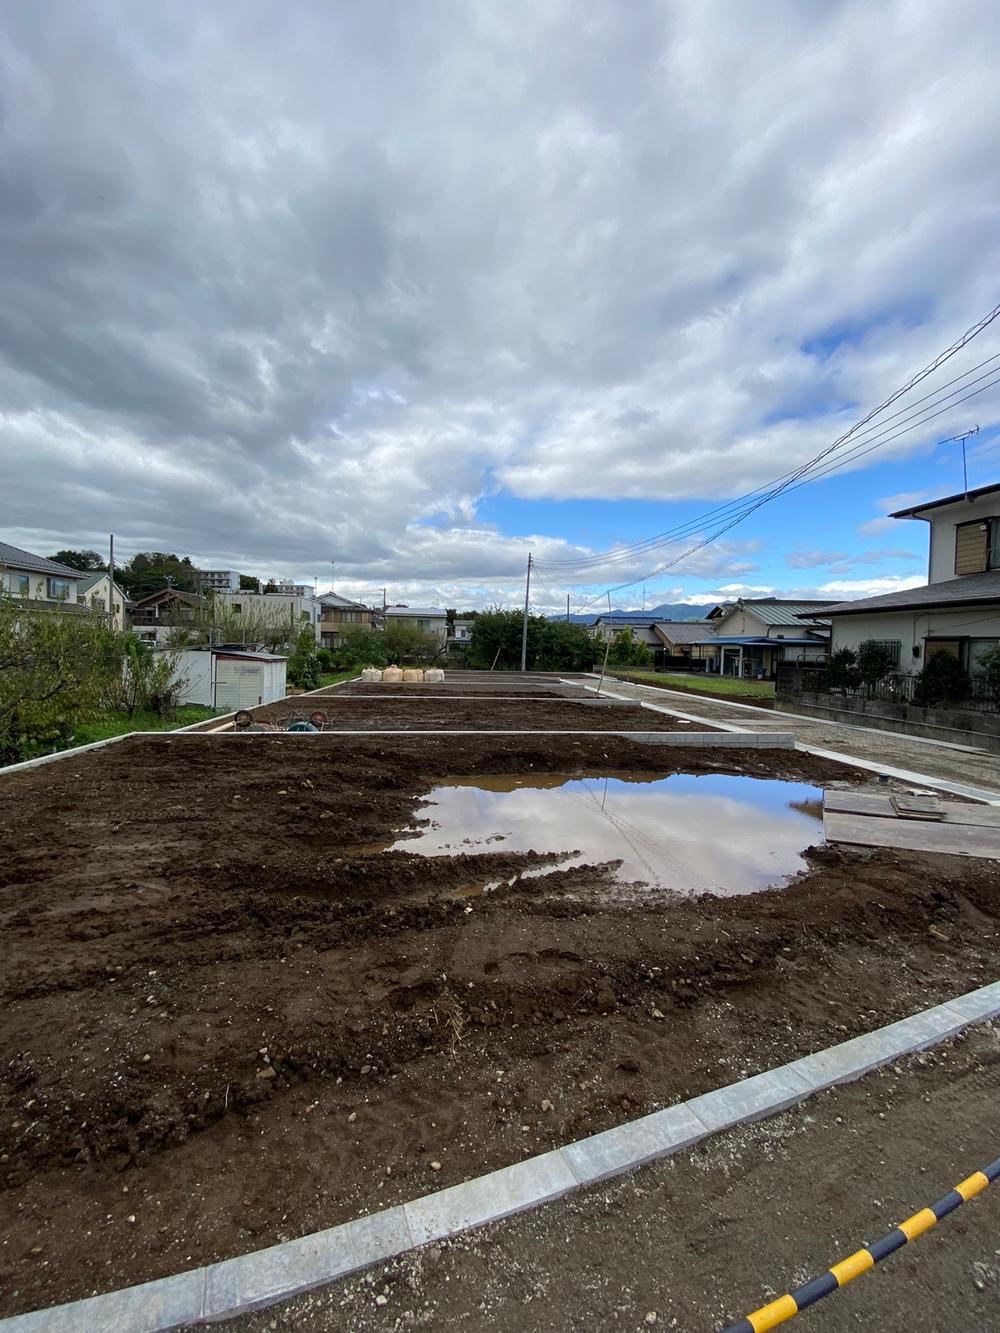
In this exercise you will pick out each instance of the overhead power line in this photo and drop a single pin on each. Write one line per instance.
(636, 548)
(739, 510)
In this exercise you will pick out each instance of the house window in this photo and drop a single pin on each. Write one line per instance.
(976, 546)
(59, 589)
(891, 646)
(978, 648)
(20, 585)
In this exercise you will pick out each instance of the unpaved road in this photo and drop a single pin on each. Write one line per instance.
(703, 1238)
(949, 763)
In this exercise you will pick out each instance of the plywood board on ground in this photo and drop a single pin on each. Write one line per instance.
(874, 803)
(912, 835)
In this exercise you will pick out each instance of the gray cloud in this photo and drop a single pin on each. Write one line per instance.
(285, 286)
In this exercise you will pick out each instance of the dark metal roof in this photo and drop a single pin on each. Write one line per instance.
(948, 500)
(18, 559)
(685, 631)
(966, 590)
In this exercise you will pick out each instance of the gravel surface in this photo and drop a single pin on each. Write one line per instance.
(705, 1237)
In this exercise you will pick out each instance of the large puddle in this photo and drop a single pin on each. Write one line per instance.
(710, 833)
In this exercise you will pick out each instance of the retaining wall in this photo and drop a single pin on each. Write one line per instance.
(959, 726)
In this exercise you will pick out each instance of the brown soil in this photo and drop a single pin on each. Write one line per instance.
(364, 711)
(220, 1028)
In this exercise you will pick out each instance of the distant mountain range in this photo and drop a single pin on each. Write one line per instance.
(665, 611)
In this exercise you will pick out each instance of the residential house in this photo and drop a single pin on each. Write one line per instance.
(109, 600)
(277, 609)
(218, 580)
(756, 633)
(338, 616)
(153, 617)
(642, 626)
(461, 631)
(37, 581)
(690, 644)
(957, 610)
(427, 619)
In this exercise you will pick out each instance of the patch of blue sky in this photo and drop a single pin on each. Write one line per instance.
(852, 333)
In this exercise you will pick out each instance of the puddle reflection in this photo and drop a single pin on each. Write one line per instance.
(701, 833)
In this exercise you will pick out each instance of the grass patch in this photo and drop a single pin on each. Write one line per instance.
(703, 683)
(335, 677)
(117, 724)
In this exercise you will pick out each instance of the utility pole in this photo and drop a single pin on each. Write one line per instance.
(524, 630)
(607, 646)
(333, 576)
(111, 584)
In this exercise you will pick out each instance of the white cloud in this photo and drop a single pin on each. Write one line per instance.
(277, 293)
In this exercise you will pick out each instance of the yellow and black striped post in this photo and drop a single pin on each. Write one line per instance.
(785, 1307)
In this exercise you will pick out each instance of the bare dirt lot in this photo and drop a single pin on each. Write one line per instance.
(365, 710)
(223, 1024)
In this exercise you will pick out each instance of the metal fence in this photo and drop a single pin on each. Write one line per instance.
(896, 689)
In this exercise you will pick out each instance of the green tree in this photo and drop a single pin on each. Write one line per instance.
(362, 647)
(303, 667)
(553, 645)
(875, 662)
(56, 669)
(149, 571)
(989, 671)
(626, 650)
(149, 679)
(496, 638)
(214, 620)
(558, 645)
(943, 680)
(405, 644)
(88, 562)
(249, 584)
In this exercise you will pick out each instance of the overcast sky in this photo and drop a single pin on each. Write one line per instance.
(420, 287)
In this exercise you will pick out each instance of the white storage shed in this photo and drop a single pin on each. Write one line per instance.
(230, 678)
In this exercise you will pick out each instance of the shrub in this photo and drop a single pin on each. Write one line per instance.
(989, 672)
(875, 662)
(842, 672)
(942, 681)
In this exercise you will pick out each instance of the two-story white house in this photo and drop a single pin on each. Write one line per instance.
(957, 610)
(427, 619)
(42, 582)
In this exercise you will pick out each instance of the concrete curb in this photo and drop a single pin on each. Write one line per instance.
(251, 1281)
(754, 740)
